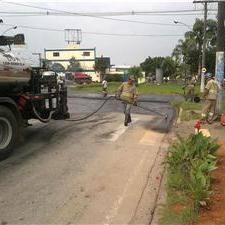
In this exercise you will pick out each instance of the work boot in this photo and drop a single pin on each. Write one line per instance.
(126, 121)
(129, 119)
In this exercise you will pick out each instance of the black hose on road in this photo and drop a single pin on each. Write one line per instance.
(153, 111)
(114, 97)
(92, 113)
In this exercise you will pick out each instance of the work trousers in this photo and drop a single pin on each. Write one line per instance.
(127, 109)
(209, 108)
(190, 94)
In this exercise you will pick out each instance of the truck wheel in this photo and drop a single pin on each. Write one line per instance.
(8, 131)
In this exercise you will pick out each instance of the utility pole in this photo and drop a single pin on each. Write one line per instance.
(220, 47)
(203, 70)
(202, 88)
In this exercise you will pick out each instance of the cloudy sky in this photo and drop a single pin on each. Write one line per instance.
(147, 32)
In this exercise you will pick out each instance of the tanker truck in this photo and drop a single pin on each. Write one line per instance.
(25, 93)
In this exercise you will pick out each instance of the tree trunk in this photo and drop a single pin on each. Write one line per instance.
(200, 62)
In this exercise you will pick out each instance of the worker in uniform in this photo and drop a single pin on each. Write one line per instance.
(190, 89)
(104, 87)
(127, 92)
(210, 95)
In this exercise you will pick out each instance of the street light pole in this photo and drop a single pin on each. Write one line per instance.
(220, 48)
(202, 87)
(184, 24)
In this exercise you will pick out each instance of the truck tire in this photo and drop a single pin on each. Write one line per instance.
(9, 130)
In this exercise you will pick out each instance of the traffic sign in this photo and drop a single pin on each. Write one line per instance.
(204, 70)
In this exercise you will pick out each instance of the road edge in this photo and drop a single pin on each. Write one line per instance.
(146, 207)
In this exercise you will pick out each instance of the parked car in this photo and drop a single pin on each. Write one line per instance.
(81, 78)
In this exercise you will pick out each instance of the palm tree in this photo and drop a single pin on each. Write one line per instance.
(190, 49)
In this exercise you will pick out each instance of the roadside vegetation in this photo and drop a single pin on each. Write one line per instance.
(190, 162)
(187, 110)
(167, 89)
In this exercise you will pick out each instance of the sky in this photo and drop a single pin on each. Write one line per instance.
(129, 50)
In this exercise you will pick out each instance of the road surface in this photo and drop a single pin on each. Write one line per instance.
(94, 171)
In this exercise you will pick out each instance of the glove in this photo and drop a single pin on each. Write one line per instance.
(135, 103)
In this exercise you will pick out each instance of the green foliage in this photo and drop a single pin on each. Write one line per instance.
(74, 66)
(189, 162)
(189, 50)
(191, 110)
(168, 65)
(185, 217)
(100, 65)
(114, 77)
(150, 64)
(168, 89)
(97, 87)
(185, 105)
(195, 147)
(135, 71)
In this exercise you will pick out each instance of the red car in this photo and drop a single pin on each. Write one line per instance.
(81, 78)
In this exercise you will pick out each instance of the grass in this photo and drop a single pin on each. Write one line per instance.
(178, 209)
(96, 87)
(186, 105)
(184, 217)
(191, 110)
(169, 88)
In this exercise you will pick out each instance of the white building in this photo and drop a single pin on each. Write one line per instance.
(84, 56)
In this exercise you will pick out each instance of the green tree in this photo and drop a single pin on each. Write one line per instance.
(150, 64)
(100, 66)
(169, 66)
(74, 65)
(136, 71)
(189, 50)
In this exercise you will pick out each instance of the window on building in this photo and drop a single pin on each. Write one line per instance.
(86, 53)
(56, 54)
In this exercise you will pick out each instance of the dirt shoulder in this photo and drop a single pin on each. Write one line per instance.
(214, 214)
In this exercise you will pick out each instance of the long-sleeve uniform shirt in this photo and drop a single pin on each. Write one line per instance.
(212, 89)
(128, 92)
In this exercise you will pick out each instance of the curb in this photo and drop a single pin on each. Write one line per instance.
(179, 115)
(143, 214)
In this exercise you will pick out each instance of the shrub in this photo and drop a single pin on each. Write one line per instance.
(189, 162)
(114, 77)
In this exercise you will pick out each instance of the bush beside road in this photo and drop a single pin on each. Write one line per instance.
(190, 161)
(194, 198)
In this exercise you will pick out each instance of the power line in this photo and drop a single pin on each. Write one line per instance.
(86, 15)
(114, 13)
(96, 33)
(135, 35)
(6, 14)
